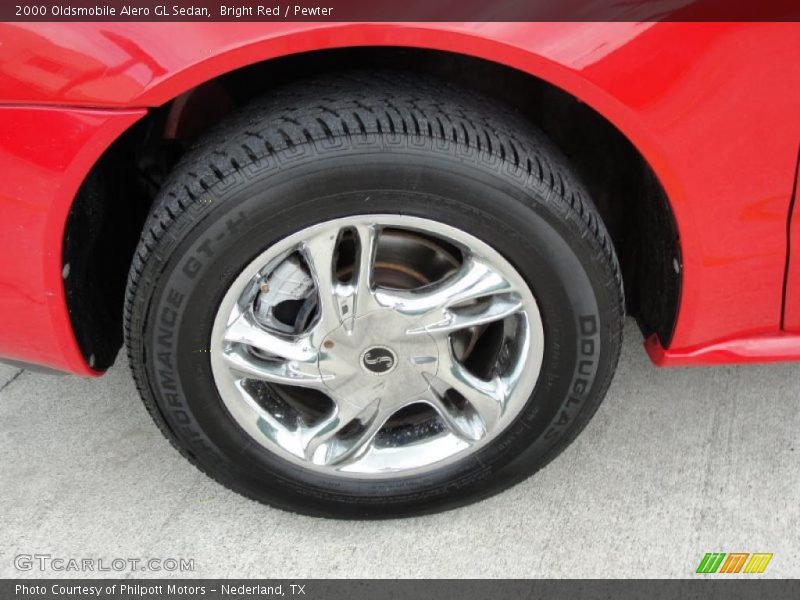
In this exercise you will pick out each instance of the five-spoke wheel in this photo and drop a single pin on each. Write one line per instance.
(418, 365)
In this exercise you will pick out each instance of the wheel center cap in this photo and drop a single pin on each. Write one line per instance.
(376, 359)
(379, 360)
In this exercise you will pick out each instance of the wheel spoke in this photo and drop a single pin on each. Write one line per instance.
(356, 297)
(474, 280)
(465, 424)
(340, 303)
(494, 309)
(485, 400)
(323, 445)
(244, 330)
(320, 254)
(292, 372)
(290, 361)
(368, 245)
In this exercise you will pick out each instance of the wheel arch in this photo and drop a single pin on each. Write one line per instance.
(647, 219)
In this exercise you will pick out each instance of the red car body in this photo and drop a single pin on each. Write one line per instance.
(714, 108)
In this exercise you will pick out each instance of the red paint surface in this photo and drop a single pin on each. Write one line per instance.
(791, 315)
(44, 156)
(714, 108)
(775, 347)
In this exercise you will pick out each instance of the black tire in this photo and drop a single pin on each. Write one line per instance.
(420, 148)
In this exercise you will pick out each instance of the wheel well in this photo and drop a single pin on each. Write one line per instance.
(106, 218)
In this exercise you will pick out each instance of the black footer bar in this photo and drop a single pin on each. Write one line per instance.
(378, 589)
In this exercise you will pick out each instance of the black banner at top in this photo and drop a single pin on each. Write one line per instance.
(399, 10)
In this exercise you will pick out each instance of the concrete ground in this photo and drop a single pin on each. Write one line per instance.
(675, 464)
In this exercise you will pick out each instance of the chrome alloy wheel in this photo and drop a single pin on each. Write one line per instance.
(376, 346)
